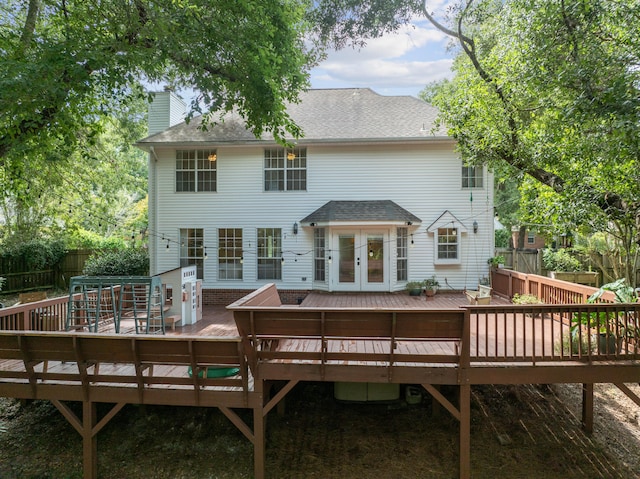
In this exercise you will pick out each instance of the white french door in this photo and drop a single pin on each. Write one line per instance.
(362, 260)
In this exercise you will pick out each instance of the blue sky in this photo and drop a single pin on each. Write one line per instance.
(401, 63)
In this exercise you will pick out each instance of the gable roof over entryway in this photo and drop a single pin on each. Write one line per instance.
(359, 212)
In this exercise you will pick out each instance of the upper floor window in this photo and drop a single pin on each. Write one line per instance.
(196, 170)
(447, 244)
(269, 253)
(472, 177)
(230, 257)
(192, 249)
(285, 169)
(531, 237)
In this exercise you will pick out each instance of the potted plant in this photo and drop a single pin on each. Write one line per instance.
(496, 261)
(414, 288)
(610, 330)
(430, 286)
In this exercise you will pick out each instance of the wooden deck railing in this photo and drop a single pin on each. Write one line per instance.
(516, 334)
(143, 368)
(47, 315)
(551, 291)
(546, 332)
(291, 342)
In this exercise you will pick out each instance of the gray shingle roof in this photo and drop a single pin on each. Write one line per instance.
(325, 115)
(376, 211)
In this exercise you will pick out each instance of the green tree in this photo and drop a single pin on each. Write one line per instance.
(551, 89)
(65, 65)
(94, 189)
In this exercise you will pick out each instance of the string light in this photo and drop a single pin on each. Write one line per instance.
(151, 233)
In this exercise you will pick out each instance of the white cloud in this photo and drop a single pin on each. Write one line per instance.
(402, 62)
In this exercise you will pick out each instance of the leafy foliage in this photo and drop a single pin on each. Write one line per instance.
(502, 238)
(623, 292)
(66, 65)
(36, 254)
(82, 238)
(124, 262)
(551, 90)
(560, 260)
(525, 299)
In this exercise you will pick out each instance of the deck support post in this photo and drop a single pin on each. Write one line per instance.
(88, 428)
(465, 431)
(259, 428)
(587, 407)
(89, 441)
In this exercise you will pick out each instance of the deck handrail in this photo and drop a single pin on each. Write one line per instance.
(45, 315)
(508, 283)
(332, 334)
(143, 365)
(538, 333)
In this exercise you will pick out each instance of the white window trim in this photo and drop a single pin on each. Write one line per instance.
(196, 171)
(479, 173)
(456, 260)
(447, 220)
(287, 166)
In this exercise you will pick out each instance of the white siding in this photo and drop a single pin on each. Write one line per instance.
(424, 179)
(166, 110)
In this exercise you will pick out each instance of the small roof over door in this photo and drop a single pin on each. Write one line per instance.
(375, 212)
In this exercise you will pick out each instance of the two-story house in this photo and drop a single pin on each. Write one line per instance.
(370, 198)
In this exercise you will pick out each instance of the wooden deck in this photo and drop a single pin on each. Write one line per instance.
(383, 338)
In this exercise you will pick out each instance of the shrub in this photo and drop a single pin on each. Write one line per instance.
(560, 260)
(36, 254)
(87, 239)
(502, 238)
(124, 262)
(525, 299)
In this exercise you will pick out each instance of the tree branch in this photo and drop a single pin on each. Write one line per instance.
(29, 26)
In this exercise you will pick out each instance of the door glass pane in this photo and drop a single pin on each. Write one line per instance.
(346, 268)
(375, 259)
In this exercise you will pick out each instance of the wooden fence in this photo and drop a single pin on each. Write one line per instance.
(20, 279)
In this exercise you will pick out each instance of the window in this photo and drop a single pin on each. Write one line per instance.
(319, 246)
(531, 237)
(230, 256)
(402, 254)
(447, 243)
(472, 176)
(196, 170)
(285, 169)
(269, 253)
(192, 249)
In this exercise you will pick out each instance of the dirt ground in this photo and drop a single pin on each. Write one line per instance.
(517, 432)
